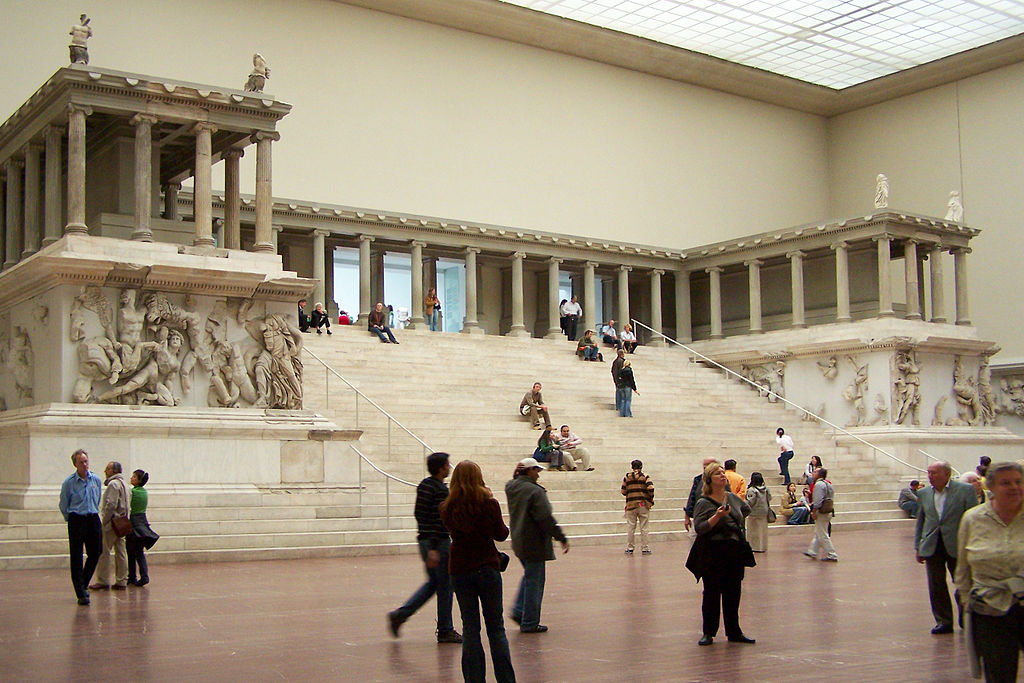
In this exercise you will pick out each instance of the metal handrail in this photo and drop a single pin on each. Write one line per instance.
(769, 392)
(391, 418)
(388, 478)
(931, 457)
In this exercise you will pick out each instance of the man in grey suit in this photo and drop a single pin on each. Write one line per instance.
(940, 508)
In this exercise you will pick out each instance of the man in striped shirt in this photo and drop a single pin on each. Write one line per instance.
(434, 543)
(638, 489)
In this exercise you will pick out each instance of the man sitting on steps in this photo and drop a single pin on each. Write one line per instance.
(574, 455)
(533, 405)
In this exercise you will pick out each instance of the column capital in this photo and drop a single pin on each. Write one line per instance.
(935, 246)
(277, 228)
(754, 263)
(232, 153)
(259, 135)
(960, 250)
(75, 108)
(321, 233)
(797, 254)
(884, 236)
(591, 264)
(218, 222)
(32, 147)
(519, 254)
(471, 250)
(839, 245)
(14, 164)
(912, 240)
(143, 118)
(367, 238)
(418, 243)
(626, 268)
(555, 260)
(714, 269)
(204, 126)
(657, 271)
(176, 187)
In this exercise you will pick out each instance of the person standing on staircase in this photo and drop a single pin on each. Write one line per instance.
(785, 453)
(620, 358)
(434, 543)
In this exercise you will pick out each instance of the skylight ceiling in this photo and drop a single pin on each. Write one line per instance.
(833, 43)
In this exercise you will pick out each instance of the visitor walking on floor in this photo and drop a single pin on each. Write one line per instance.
(638, 489)
(80, 506)
(719, 555)
(822, 509)
(533, 527)
(112, 569)
(474, 518)
(434, 545)
(142, 537)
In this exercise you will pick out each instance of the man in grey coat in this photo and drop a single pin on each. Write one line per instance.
(532, 528)
(940, 507)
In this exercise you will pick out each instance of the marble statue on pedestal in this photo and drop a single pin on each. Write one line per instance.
(881, 191)
(907, 388)
(954, 208)
(260, 74)
(855, 392)
(80, 34)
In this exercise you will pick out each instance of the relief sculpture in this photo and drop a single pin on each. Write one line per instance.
(965, 391)
(277, 368)
(906, 387)
(855, 391)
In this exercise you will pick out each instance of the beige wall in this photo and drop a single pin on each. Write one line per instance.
(405, 116)
(916, 141)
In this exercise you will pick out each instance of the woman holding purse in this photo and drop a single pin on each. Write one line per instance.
(432, 308)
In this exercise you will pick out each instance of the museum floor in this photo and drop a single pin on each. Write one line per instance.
(612, 618)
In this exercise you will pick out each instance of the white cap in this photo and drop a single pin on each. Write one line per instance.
(530, 463)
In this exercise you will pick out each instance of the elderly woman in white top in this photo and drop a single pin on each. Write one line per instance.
(990, 575)
(628, 338)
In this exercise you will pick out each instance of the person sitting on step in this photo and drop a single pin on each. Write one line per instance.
(587, 348)
(377, 323)
(318, 320)
(610, 336)
(575, 456)
(628, 338)
(533, 405)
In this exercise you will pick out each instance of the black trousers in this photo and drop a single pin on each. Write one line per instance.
(998, 641)
(938, 590)
(84, 530)
(722, 588)
(570, 326)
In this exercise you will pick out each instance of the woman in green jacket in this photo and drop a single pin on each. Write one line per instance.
(142, 537)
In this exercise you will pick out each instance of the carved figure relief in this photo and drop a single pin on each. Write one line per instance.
(906, 387)
(881, 411)
(965, 391)
(278, 368)
(151, 384)
(937, 420)
(855, 391)
(986, 394)
(769, 378)
(881, 191)
(829, 369)
(807, 417)
(21, 364)
(1011, 391)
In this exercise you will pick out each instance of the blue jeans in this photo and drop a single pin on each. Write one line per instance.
(784, 459)
(381, 332)
(479, 590)
(438, 582)
(530, 595)
(624, 397)
(590, 353)
(432, 320)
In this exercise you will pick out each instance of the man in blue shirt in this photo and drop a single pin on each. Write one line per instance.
(80, 505)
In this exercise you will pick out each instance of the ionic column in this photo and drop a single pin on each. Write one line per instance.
(318, 264)
(275, 237)
(842, 282)
(232, 199)
(554, 330)
(623, 302)
(203, 192)
(364, 278)
(754, 283)
(143, 177)
(884, 277)
(656, 318)
(377, 277)
(33, 152)
(330, 304)
(963, 317)
(938, 287)
(76, 169)
(684, 325)
(472, 325)
(171, 201)
(716, 301)
(52, 191)
(518, 328)
(796, 267)
(910, 278)
(417, 318)
(589, 297)
(15, 215)
(264, 198)
(3, 213)
(218, 231)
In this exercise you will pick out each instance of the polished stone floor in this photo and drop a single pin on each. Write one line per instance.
(612, 618)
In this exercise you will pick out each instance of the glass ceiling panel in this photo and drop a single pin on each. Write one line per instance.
(835, 43)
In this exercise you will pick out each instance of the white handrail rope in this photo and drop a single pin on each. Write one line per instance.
(374, 466)
(934, 459)
(368, 399)
(769, 392)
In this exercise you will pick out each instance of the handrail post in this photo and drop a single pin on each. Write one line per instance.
(327, 387)
(360, 458)
(387, 501)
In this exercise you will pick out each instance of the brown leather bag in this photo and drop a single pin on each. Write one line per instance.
(122, 526)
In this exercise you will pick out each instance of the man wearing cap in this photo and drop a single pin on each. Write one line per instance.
(533, 527)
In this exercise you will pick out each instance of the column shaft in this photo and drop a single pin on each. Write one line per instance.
(15, 215)
(842, 282)
(623, 299)
(754, 284)
(715, 274)
(554, 314)
(910, 280)
(171, 201)
(884, 278)
(143, 177)
(589, 298)
(656, 317)
(264, 198)
(963, 316)
(416, 278)
(232, 201)
(275, 237)
(203, 193)
(318, 265)
(364, 278)
(472, 325)
(796, 267)
(33, 177)
(938, 287)
(52, 189)
(518, 328)
(684, 324)
(76, 169)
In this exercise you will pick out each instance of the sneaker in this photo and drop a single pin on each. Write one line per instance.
(328, 331)
(830, 559)
(645, 551)
(811, 555)
(394, 623)
(629, 551)
(536, 426)
(452, 636)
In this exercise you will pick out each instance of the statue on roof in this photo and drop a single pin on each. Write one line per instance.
(260, 74)
(881, 191)
(80, 34)
(954, 208)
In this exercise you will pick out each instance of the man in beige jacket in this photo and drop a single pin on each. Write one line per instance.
(116, 502)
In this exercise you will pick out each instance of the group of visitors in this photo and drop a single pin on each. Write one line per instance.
(569, 312)
(626, 340)
(562, 450)
(378, 322)
(107, 520)
(317, 320)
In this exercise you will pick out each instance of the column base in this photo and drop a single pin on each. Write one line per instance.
(473, 328)
(913, 316)
(844, 319)
(417, 323)
(25, 254)
(47, 241)
(204, 242)
(965, 321)
(555, 333)
(80, 228)
(797, 326)
(717, 336)
(656, 341)
(142, 236)
(939, 320)
(518, 331)
(264, 247)
(9, 264)
(887, 314)
(756, 330)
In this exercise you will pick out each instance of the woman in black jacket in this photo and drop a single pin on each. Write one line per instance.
(626, 386)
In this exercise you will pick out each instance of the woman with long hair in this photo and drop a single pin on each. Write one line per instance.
(547, 449)
(719, 555)
(814, 464)
(431, 307)
(473, 517)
